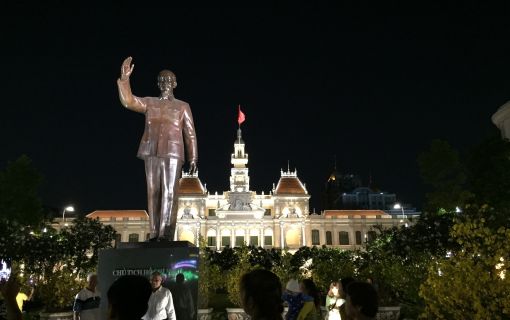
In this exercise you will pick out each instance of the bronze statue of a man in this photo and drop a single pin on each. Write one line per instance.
(168, 127)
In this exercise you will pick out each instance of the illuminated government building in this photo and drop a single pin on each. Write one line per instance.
(280, 219)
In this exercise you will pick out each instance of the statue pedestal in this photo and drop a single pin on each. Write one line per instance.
(143, 258)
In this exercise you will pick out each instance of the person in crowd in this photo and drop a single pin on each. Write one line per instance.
(22, 297)
(261, 295)
(10, 289)
(128, 298)
(361, 302)
(374, 283)
(334, 301)
(86, 302)
(183, 301)
(341, 290)
(294, 299)
(311, 301)
(161, 305)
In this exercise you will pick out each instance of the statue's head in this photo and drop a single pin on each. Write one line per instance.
(167, 80)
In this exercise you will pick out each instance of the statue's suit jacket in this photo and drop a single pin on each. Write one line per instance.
(168, 125)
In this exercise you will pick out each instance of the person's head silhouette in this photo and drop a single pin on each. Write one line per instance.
(128, 298)
(261, 293)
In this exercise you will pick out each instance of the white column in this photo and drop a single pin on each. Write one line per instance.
(218, 238)
(197, 234)
(282, 243)
(303, 233)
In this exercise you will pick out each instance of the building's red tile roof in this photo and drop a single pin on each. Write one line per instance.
(118, 214)
(290, 185)
(347, 213)
(190, 185)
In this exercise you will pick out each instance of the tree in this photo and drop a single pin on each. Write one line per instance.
(234, 275)
(284, 268)
(398, 267)
(442, 170)
(226, 259)
(331, 264)
(488, 166)
(19, 200)
(210, 276)
(82, 242)
(57, 291)
(473, 282)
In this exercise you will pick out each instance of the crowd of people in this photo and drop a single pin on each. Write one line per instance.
(129, 297)
(261, 292)
(303, 300)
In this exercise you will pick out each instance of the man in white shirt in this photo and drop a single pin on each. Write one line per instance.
(86, 303)
(161, 304)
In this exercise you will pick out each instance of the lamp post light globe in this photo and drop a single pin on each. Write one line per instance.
(68, 209)
(398, 206)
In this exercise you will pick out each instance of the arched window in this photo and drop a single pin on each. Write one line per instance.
(133, 237)
(225, 237)
(343, 238)
(187, 235)
(211, 238)
(315, 238)
(240, 237)
(358, 237)
(254, 237)
(329, 238)
(293, 238)
(371, 236)
(268, 237)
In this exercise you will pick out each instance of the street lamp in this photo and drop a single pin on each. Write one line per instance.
(68, 208)
(397, 206)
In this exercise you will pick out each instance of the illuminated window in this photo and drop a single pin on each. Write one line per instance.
(315, 238)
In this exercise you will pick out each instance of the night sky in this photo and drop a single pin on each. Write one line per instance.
(314, 82)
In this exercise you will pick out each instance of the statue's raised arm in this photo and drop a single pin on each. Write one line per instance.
(126, 97)
(126, 69)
